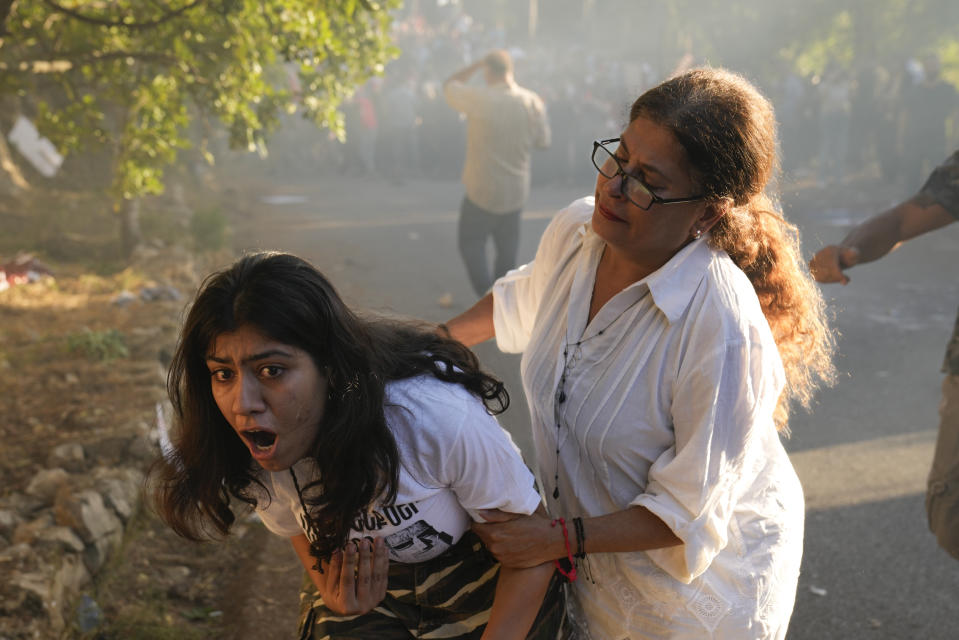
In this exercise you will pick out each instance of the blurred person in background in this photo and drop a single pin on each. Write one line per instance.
(928, 104)
(791, 102)
(504, 123)
(835, 110)
(368, 442)
(359, 149)
(933, 207)
(400, 114)
(667, 324)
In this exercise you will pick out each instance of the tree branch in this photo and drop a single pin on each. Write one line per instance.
(104, 22)
(64, 65)
(9, 166)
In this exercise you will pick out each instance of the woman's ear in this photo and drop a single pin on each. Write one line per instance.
(713, 213)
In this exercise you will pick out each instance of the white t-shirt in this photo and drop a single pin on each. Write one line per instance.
(670, 408)
(455, 459)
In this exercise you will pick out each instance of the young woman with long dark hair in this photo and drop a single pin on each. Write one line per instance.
(369, 442)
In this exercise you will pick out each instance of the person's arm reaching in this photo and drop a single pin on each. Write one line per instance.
(877, 236)
(528, 541)
(475, 325)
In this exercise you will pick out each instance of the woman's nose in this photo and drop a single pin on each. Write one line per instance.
(614, 186)
(248, 397)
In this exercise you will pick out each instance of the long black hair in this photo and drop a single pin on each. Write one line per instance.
(290, 301)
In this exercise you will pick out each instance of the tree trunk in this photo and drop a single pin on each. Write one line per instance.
(533, 19)
(6, 7)
(10, 167)
(131, 236)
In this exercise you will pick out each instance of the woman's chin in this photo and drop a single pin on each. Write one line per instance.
(270, 459)
(603, 226)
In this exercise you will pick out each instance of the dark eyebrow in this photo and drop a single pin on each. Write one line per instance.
(254, 357)
(647, 168)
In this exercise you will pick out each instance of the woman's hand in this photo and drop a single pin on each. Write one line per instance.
(354, 580)
(520, 541)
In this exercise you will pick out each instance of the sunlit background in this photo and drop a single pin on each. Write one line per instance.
(146, 143)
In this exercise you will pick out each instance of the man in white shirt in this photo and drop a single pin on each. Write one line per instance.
(504, 122)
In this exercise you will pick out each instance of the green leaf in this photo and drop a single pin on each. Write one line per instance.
(141, 88)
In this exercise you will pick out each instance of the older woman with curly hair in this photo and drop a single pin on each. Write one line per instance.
(667, 325)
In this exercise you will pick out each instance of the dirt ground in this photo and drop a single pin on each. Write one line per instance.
(83, 359)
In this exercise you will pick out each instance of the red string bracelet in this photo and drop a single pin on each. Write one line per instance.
(571, 574)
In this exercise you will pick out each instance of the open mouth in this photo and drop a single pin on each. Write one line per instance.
(261, 440)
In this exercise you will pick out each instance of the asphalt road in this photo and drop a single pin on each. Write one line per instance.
(870, 568)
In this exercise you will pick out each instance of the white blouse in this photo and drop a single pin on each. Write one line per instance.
(669, 400)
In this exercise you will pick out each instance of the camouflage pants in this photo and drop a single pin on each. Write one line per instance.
(942, 495)
(447, 597)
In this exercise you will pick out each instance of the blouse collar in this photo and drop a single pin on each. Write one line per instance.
(673, 285)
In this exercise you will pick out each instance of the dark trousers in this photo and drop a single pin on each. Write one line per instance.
(476, 225)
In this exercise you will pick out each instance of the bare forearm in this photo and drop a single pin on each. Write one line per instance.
(519, 595)
(634, 529)
(528, 541)
(475, 325)
(879, 235)
(302, 547)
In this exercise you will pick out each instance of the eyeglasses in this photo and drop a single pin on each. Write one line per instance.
(632, 187)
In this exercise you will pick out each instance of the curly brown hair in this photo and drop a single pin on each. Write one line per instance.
(728, 130)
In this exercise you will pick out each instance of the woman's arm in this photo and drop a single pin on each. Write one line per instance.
(474, 325)
(519, 595)
(527, 541)
(354, 580)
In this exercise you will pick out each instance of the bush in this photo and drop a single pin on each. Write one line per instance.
(208, 227)
(101, 346)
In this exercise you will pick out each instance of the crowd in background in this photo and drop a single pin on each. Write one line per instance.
(896, 123)
(889, 123)
(399, 125)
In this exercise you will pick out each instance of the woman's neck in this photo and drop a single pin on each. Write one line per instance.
(614, 273)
